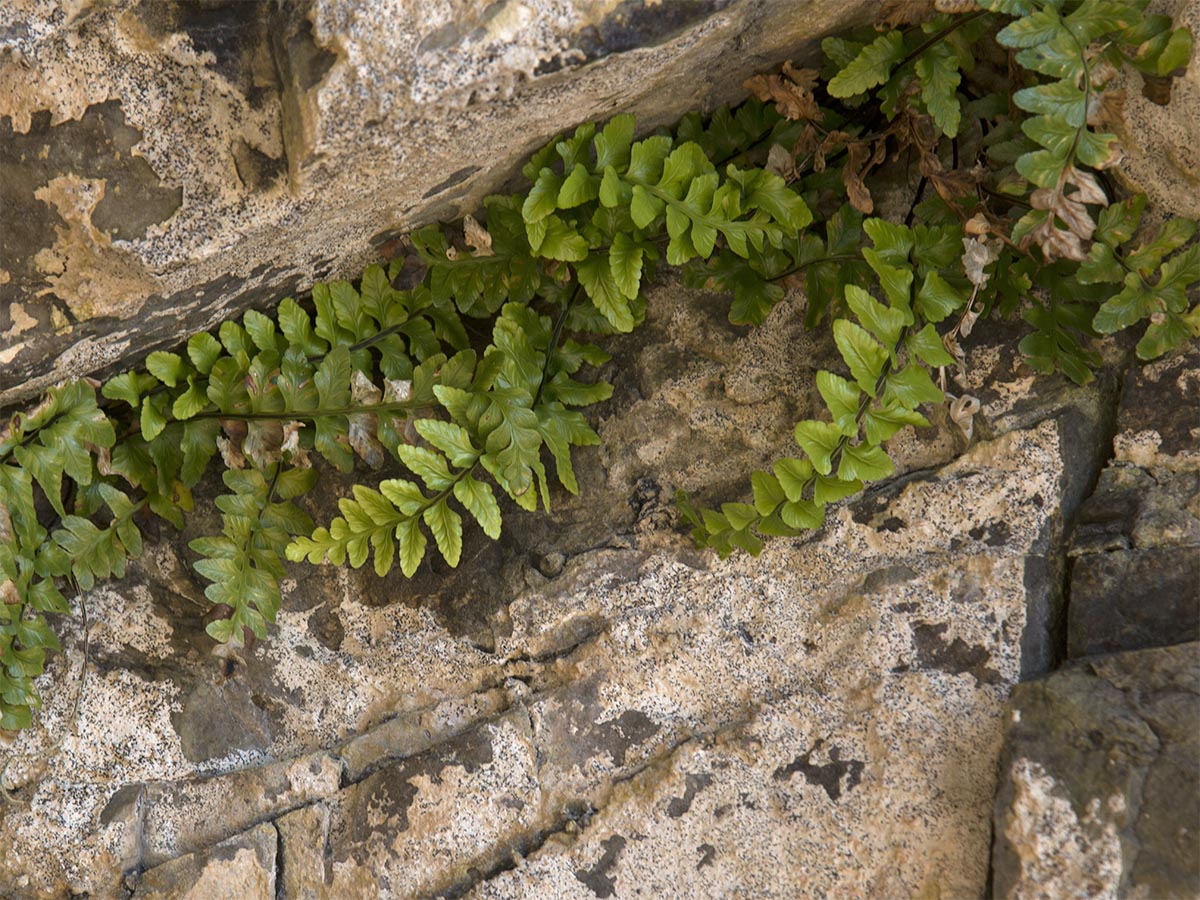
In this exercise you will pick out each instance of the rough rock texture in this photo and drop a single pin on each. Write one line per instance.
(1162, 144)
(1101, 796)
(168, 164)
(590, 708)
(1100, 780)
(1135, 575)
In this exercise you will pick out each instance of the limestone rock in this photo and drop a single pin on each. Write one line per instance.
(1162, 143)
(169, 164)
(1100, 792)
(823, 719)
(1135, 576)
(240, 868)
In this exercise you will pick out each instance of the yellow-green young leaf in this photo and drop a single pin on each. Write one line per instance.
(613, 191)
(451, 439)
(477, 498)
(873, 66)
(625, 260)
(1031, 30)
(842, 397)
(45, 464)
(865, 357)
(1116, 224)
(190, 401)
(739, 515)
(153, 420)
(543, 196)
(430, 467)
(646, 159)
(596, 276)
(384, 549)
(613, 141)
(745, 540)
(892, 242)
(446, 526)
(297, 328)
(937, 299)
(830, 488)
(1059, 98)
(884, 323)
(203, 350)
(411, 544)
(644, 207)
(802, 514)
(881, 423)
(911, 386)
(768, 492)
(794, 476)
(166, 367)
(561, 241)
(1175, 54)
(928, 347)
(818, 440)
(126, 387)
(578, 188)
(895, 279)
(260, 328)
(865, 463)
(937, 68)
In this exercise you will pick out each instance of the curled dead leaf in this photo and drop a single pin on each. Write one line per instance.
(363, 391)
(962, 413)
(231, 455)
(895, 14)
(853, 172)
(976, 225)
(477, 237)
(9, 593)
(781, 163)
(955, 7)
(363, 442)
(791, 92)
(290, 445)
(977, 255)
(263, 440)
(396, 390)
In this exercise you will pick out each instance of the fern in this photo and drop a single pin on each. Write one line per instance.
(467, 388)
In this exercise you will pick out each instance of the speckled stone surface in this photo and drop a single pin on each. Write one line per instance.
(1101, 780)
(592, 708)
(1162, 143)
(169, 164)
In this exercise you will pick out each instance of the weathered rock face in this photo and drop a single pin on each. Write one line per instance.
(1162, 144)
(1101, 794)
(591, 708)
(167, 164)
(1100, 779)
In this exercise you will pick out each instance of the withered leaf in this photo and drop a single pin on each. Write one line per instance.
(9, 594)
(290, 445)
(791, 92)
(962, 412)
(895, 14)
(852, 177)
(978, 254)
(477, 237)
(780, 162)
(263, 442)
(231, 455)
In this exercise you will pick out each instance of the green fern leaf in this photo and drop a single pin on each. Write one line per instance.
(871, 67)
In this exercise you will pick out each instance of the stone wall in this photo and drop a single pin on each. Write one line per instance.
(590, 708)
(168, 164)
